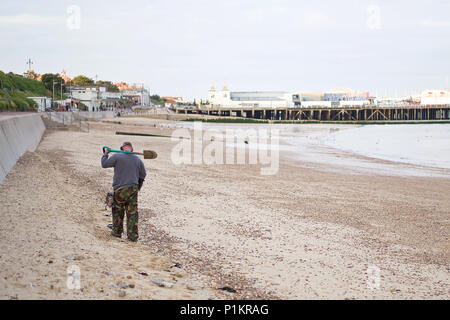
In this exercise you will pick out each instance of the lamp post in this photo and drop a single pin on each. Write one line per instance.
(54, 91)
(142, 94)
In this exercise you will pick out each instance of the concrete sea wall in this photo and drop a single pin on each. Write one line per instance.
(18, 134)
(69, 117)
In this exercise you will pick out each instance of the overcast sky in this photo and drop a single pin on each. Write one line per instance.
(179, 48)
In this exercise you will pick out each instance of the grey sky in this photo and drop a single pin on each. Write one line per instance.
(180, 47)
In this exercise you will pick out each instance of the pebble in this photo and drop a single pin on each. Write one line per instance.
(162, 283)
(122, 293)
(228, 289)
(190, 287)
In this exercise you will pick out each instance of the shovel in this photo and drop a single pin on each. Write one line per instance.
(148, 154)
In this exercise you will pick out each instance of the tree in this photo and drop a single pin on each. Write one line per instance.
(49, 78)
(82, 80)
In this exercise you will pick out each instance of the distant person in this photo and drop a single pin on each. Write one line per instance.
(129, 176)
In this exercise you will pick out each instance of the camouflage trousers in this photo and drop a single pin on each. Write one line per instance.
(126, 201)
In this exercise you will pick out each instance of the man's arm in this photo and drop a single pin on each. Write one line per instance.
(142, 174)
(108, 163)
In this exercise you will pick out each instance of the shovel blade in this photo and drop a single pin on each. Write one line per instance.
(150, 154)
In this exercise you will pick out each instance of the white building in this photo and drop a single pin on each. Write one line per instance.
(354, 103)
(389, 101)
(110, 95)
(88, 95)
(138, 96)
(329, 104)
(94, 96)
(315, 104)
(435, 97)
(43, 103)
(145, 98)
(254, 99)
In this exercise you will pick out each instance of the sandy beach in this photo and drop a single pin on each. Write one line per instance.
(315, 230)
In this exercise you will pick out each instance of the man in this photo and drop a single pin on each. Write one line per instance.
(129, 175)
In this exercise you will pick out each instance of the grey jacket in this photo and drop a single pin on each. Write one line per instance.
(128, 169)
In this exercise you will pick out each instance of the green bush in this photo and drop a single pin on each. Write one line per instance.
(4, 105)
(82, 106)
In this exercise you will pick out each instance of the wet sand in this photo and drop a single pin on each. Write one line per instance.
(306, 233)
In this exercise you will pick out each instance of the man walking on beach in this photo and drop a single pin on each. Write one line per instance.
(129, 175)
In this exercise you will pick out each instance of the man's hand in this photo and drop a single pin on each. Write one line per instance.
(141, 182)
(105, 151)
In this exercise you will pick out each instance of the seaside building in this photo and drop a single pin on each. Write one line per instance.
(93, 96)
(90, 95)
(390, 101)
(315, 103)
(435, 97)
(340, 97)
(97, 96)
(172, 101)
(244, 99)
(138, 96)
(134, 92)
(279, 99)
(332, 98)
(43, 103)
(309, 99)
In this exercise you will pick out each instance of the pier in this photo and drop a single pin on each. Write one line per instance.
(369, 113)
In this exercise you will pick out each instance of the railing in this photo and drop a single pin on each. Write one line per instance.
(61, 120)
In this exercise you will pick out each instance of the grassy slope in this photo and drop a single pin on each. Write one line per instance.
(15, 89)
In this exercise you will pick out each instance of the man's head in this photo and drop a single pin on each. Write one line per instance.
(127, 146)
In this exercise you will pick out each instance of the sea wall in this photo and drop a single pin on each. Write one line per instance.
(18, 134)
(69, 117)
